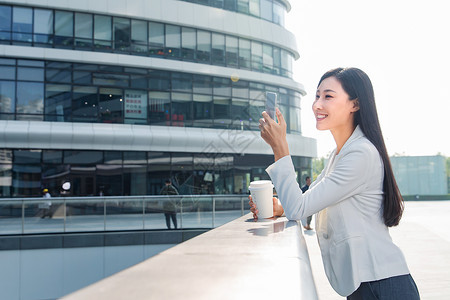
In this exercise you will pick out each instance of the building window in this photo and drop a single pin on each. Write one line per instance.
(110, 105)
(159, 108)
(218, 49)
(102, 32)
(58, 102)
(257, 56)
(188, 43)
(43, 26)
(139, 37)
(266, 10)
(64, 28)
(135, 106)
(83, 31)
(232, 51)
(84, 104)
(22, 24)
(30, 101)
(173, 40)
(155, 38)
(244, 54)
(203, 46)
(122, 34)
(5, 23)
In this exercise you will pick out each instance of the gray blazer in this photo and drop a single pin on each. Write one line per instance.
(347, 197)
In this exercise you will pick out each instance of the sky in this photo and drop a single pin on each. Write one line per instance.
(403, 46)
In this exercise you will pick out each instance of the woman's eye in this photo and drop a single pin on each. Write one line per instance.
(328, 96)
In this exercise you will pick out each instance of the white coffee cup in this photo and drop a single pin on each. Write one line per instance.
(262, 195)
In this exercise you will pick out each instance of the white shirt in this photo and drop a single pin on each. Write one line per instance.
(347, 197)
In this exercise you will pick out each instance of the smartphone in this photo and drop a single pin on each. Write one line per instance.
(271, 104)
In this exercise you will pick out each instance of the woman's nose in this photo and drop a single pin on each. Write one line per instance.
(317, 104)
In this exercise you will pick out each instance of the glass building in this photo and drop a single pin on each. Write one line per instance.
(117, 96)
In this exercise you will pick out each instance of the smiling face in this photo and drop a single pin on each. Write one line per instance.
(332, 108)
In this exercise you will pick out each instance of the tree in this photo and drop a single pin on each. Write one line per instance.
(317, 165)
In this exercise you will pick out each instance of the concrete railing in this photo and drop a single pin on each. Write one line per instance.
(242, 259)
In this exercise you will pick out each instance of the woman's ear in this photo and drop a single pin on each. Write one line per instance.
(355, 105)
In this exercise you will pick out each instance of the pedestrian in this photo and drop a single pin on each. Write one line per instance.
(355, 198)
(46, 206)
(169, 204)
(304, 189)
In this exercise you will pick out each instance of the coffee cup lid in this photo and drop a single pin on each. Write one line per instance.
(260, 184)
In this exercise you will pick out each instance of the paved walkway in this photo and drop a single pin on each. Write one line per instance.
(424, 237)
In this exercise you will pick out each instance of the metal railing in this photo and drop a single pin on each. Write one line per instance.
(89, 214)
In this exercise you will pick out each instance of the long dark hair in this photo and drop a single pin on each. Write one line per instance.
(358, 86)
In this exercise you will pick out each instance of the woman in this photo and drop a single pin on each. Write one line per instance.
(356, 197)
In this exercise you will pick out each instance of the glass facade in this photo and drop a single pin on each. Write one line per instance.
(270, 10)
(25, 172)
(74, 92)
(37, 27)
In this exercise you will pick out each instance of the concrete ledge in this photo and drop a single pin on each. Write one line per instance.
(239, 260)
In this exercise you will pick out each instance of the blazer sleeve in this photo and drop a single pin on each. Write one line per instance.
(346, 180)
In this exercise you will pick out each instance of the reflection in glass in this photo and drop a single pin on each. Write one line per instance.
(30, 98)
(182, 82)
(5, 22)
(218, 49)
(122, 34)
(188, 43)
(257, 56)
(267, 58)
(221, 112)
(295, 116)
(254, 8)
(77, 210)
(63, 28)
(123, 215)
(156, 38)
(244, 53)
(22, 24)
(229, 5)
(84, 104)
(139, 36)
(26, 180)
(159, 108)
(30, 74)
(83, 30)
(203, 46)
(181, 114)
(232, 51)
(43, 26)
(58, 103)
(242, 6)
(202, 110)
(266, 9)
(134, 180)
(240, 114)
(7, 96)
(173, 40)
(82, 157)
(102, 32)
(278, 13)
(110, 105)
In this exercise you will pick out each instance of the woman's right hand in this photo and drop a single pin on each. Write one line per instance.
(274, 134)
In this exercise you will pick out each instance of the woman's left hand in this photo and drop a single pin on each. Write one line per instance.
(278, 210)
